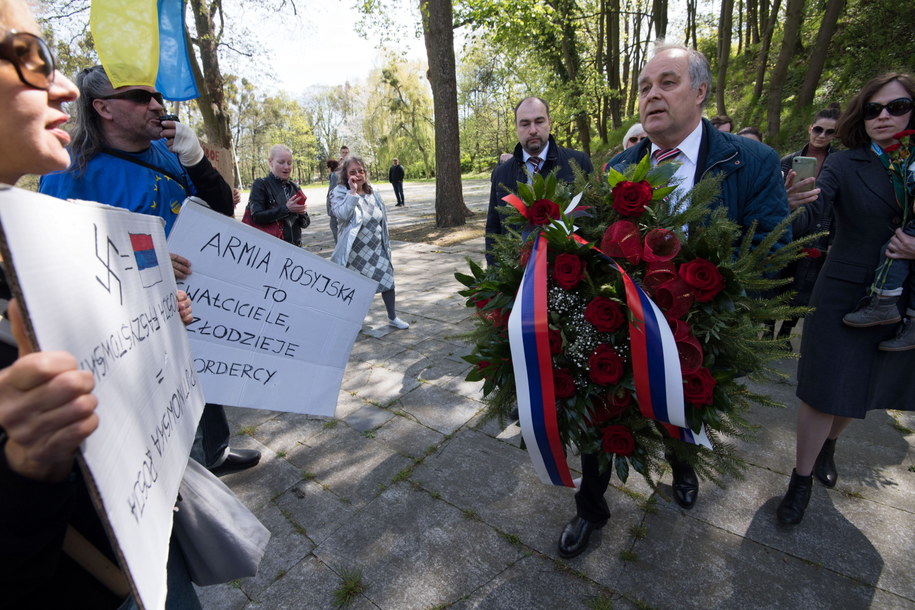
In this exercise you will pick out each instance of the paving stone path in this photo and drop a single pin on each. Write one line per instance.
(438, 508)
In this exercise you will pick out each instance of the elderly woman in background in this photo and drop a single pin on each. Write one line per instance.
(276, 198)
(362, 240)
(635, 135)
(842, 375)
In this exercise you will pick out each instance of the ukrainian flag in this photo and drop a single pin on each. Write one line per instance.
(142, 42)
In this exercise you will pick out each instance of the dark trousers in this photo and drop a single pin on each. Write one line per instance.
(212, 437)
(589, 499)
(398, 192)
(900, 271)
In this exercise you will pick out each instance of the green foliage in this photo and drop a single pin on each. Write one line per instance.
(350, 588)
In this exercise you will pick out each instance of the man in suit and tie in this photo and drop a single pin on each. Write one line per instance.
(673, 88)
(536, 152)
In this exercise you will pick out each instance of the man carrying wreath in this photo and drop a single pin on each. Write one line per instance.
(673, 88)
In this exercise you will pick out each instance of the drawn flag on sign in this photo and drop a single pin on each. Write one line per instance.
(147, 263)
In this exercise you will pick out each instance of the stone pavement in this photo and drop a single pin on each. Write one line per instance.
(440, 509)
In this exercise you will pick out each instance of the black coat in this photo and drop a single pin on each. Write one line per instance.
(396, 173)
(507, 175)
(841, 371)
(268, 204)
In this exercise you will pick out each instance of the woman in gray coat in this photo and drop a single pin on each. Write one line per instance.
(841, 374)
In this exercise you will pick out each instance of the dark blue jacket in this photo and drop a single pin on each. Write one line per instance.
(752, 188)
(506, 176)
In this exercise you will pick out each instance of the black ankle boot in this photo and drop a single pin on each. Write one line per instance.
(825, 467)
(791, 509)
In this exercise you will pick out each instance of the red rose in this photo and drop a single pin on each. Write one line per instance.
(699, 387)
(605, 365)
(691, 355)
(543, 212)
(604, 314)
(658, 273)
(482, 364)
(555, 342)
(614, 404)
(563, 384)
(622, 239)
(630, 198)
(617, 439)
(568, 270)
(704, 276)
(660, 245)
(812, 252)
(481, 303)
(674, 297)
(892, 147)
(498, 317)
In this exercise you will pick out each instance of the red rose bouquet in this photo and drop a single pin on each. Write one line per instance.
(901, 172)
(707, 284)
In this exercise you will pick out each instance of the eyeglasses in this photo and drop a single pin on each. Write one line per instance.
(897, 107)
(818, 131)
(137, 96)
(31, 57)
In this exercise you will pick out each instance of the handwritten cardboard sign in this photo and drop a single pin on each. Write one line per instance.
(97, 282)
(274, 324)
(221, 159)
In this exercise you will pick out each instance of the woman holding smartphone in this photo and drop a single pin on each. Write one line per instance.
(841, 374)
(820, 134)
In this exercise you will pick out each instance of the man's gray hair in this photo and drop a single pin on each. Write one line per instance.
(88, 139)
(699, 69)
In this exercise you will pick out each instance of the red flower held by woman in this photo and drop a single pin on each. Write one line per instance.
(699, 387)
(617, 439)
(704, 277)
(543, 212)
(568, 270)
(630, 198)
(555, 342)
(563, 384)
(604, 314)
(605, 367)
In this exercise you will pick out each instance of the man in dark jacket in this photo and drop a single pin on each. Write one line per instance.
(395, 177)
(673, 88)
(535, 153)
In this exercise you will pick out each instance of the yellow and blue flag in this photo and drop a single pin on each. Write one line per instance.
(142, 42)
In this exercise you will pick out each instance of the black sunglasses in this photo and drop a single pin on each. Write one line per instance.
(31, 57)
(897, 107)
(137, 96)
(816, 129)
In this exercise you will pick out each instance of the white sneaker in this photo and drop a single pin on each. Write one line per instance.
(398, 323)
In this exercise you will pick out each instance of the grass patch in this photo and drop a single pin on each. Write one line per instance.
(403, 475)
(369, 434)
(281, 453)
(912, 468)
(308, 476)
(471, 514)
(512, 538)
(650, 506)
(639, 532)
(629, 555)
(351, 587)
(235, 583)
(428, 233)
(853, 494)
(899, 427)
(247, 430)
(599, 602)
(330, 424)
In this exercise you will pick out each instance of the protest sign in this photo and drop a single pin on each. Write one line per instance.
(221, 159)
(273, 324)
(97, 282)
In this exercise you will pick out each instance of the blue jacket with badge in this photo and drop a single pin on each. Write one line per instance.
(752, 188)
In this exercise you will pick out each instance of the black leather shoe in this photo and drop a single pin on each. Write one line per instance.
(239, 459)
(685, 485)
(575, 536)
(824, 469)
(791, 509)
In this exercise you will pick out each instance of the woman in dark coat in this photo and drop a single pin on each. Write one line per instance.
(841, 374)
(276, 198)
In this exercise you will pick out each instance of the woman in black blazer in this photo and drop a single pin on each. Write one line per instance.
(841, 373)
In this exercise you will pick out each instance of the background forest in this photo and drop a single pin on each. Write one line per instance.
(775, 61)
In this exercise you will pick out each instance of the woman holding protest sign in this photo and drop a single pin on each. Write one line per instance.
(47, 408)
(362, 240)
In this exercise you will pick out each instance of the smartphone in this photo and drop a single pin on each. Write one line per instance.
(804, 167)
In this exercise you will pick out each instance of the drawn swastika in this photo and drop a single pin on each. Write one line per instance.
(105, 259)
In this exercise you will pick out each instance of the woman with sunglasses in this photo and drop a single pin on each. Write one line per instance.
(841, 374)
(804, 272)
(46, 404)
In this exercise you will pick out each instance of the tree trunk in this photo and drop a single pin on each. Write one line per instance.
(817, 57)
(724, 52)
(794, 11)
(212, 101)
(659, 10)
(613, 62)
(691, 9)
(764, 49)
(450, 210)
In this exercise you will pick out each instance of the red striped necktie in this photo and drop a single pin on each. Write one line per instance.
(663, 156)
(535, 163)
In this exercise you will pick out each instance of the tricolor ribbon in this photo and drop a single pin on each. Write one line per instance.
(655, 365)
